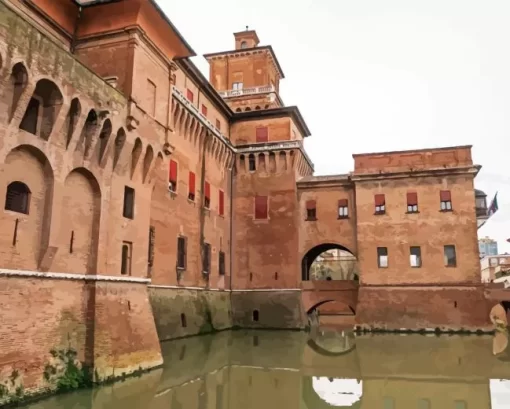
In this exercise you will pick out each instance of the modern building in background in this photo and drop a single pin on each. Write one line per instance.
(487, 247)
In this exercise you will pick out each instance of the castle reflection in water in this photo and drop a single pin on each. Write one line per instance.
(292, 370)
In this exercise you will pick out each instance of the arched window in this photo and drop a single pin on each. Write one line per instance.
(17, 198)
(239, 110)
(244, 44)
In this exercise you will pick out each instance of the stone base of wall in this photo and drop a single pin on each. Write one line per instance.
(102, 329)
(276, 309)
(423, 308)
(184, 312)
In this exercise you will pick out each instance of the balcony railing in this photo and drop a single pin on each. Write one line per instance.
(246, 91)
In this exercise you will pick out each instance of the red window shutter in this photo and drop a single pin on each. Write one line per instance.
(222, 202)
(445, 195)
(379, 200)
(260, 207)
(261, 134)
(310, 204)
(207, 190)
(342, 203)
(191, 182)
(189, 95)
(204, 110)
(172, 177)
(412, 198)
(218, 124)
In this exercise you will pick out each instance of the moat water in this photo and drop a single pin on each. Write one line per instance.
(327, 369)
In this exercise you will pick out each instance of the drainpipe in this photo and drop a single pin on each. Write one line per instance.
(231, 220)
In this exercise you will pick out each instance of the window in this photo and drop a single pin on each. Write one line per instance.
(261, 207)
(204, 110)
(244, 44)
(151, 90)
(221, 263)
(380, 204)
(218, 125)
(415, 256)
(238, 86)
(207, 195)
(206, 257)
(251, 162)
(450, 257)
(446, 200)
(382, 257)
(17, 198)
(172, 176)
(493, 261)
(261, 134)
(189, 95)
(191, 186)
(255, 315)
(311, 210)
(30, 121)
(181, 253)
(412, 202)
(183, 321)
(343, 209)
(221, 199)
(152, 239)
(129, 203)
(125, 266)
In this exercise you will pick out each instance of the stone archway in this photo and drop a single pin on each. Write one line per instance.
(329, 261)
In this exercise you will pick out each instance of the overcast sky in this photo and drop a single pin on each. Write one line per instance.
(373, 75)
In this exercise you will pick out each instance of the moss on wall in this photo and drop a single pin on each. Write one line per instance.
(180, 313)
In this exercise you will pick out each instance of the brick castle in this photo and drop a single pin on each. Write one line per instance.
(144, 202)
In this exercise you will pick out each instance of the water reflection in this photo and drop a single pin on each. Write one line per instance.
(327, 369)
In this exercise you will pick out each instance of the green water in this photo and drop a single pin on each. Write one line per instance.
(290, 370)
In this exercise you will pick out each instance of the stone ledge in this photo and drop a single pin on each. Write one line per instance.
(70, 276)
(176, 287)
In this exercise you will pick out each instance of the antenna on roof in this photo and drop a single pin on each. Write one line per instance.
(247, 28)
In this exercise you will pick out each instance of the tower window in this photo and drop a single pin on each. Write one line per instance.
(206, 258)
(191, 187)
(450, 256)
(207, 195)
(446, 200)
(412, 202)
(382, 257)
(17, 198)
(415, 256)
(380, 204)
(244, 44)
(189, 95)
(261, 134)
(129, 203)
(204, 110)
(221, 263)
(172, 176)
(125, 267)
(181, 253)
(343, 209)
(237, 86)
(311, 210)
(251, 162)
(221, 198)
(261, 207)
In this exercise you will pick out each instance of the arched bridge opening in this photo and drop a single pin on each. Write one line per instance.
(329, 284)
(329, 262)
